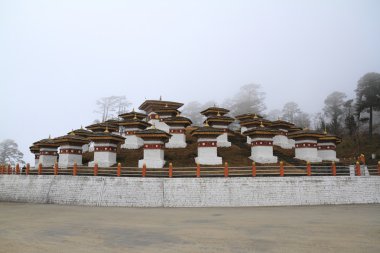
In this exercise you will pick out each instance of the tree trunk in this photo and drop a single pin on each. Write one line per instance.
(370, 122)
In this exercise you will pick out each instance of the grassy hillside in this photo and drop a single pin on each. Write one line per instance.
(238, 153)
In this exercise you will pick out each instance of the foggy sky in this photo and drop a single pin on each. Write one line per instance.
(58, 57)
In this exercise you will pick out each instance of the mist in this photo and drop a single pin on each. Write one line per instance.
(58, 58)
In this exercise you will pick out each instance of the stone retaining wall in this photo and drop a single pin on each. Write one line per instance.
(189, 192)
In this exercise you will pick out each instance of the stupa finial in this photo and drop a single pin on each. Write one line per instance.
(261, 124)
(166, 105)
(81, 126)
(206, 123)
(153, 126)
(72, 132)
(133, 109)
(255, 116)
(106, 131)
(135, 117)
(49, 136)
(160, 98)
(218, 114)
(178, 114)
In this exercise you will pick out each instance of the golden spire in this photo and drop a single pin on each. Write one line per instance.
(218, 114)
(255, 116)
(153, 126)
(261, 124)
(166, 105)
(135, 117)
(178, 114)
(72, 132)
(106, 131)
(206, 123)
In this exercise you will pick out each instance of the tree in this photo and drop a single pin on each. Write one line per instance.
(290, 110)
(334, 110)
(319, 122)
(274, 114)
(349, 119)
(368, 96)
(192, 110)
(302, 119)
(9, 153)
(249, 99)
(107, 106)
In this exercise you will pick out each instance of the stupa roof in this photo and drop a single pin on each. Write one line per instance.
(81, 132)
(281, 124)
(71, 138)
(306, 133)
(106, 136)
(261, 131)
(214, 111)
(247, 116)
(167, 111)
(178, 120)
(151, 105)
(133, 114)
(153, 133)
(207, 131)
(294, 129)
(48, 142)
(34, 149)
(134, 123)
(101, 127)
(330, 138)
(255, 122)
(219, 119)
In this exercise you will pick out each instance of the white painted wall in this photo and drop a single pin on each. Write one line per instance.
(132, 142)
(327, 154)
(262, 154)
(176, 141)
(68, 160)
(48, 160)
(189, 192)
(103, 158)
(307, 154)
(153, 158)
(283, 141)
(208, 155)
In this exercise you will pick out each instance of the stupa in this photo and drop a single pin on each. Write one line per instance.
(214, 111)
(34, 149)
(245, 117)
(154, 140)
(207, 145)
(253, 122)
(262, 144)
(105, 147)
(281, 139)
(85, 134)
(158, 110)
(306, 145)
(222, 122)
(133, 115)
(177, 127)
(48, 151)
(327, 147)
(101, 127)
(130, 127)
(70, 149)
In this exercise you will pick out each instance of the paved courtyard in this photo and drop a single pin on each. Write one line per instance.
(54, 228)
